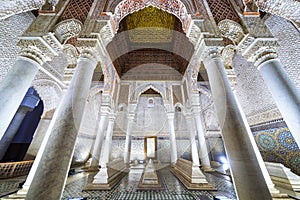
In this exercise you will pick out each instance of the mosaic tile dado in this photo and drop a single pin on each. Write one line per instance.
(277, 144)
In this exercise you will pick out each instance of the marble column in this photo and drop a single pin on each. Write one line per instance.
(205, 162)
(191, 128)
(14, 87)
(108, 141)
(12, 129)
(261, 163)
(51, 174)
(285, 94)
(99, 140)
(172, 138)
(128, 139)
(247, 176)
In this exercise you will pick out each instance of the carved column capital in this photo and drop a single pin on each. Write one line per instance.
(258, 50)
(39, 49)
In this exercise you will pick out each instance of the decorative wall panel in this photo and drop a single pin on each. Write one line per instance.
(276, 144)
(222, 9)
(77, 10)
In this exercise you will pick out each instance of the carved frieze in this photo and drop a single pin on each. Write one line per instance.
(40, 49)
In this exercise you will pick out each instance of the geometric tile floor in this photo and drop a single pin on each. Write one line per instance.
(127, 188)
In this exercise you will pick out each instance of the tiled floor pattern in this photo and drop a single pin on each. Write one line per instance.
(10, 185)
(127, 189)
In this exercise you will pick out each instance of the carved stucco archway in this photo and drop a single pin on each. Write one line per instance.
(175, 7)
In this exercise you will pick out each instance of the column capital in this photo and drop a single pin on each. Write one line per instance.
(258, 50)
(40, 49)
(90, 48)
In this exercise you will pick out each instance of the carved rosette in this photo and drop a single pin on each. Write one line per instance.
(231, 30)
(39, 49)
(258, 50)
(67, 29)
(175, 7)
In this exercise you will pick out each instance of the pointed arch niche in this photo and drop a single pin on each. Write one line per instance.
(175, 7)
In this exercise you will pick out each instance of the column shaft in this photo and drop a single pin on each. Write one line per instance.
(205, 162)
(50, 177)
(247, 176)
(285, 94)
(12, 130)
(99, 140)
(191, 129)
(261, 163)
(107, 145)
(128, 141)
(13, 89)
(172, 138)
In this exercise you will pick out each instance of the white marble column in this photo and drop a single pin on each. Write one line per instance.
(99, 139)
(191, 128)
(205, 162)
(247, 176)
(285, 94)
(127, 149)
(13, 89)
(261, 163)
(12, 129)
(108, 141)
(51, 173)
(172, 138)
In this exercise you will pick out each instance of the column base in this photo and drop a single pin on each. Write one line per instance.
(108, 177)
(207, 169)
(190, 176)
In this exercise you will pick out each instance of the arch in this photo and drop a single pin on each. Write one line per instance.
(175, 7)
(49, 91)
(156, 88)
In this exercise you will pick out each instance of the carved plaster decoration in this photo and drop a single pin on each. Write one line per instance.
(231, 30)
(71, 53)
(9, 8)
(39, 49)
(288, 9)
(12, 7)
(106, 34)
(49, 91)
(67, 29)
(72, 57)
(175, 7)
(258, 50)
(227, 55)
(267, 116)
(194, 34)
(143, 87)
